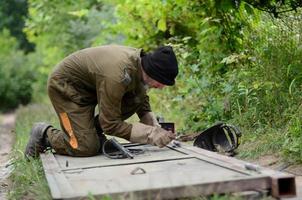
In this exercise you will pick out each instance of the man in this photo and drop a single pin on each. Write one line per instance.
(114, 78)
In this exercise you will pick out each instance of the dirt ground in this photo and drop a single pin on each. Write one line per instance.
(7, 136)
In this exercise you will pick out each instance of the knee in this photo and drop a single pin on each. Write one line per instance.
(88, 144)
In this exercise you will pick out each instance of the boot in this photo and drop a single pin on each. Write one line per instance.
(99, 132)
(37, 142)
(103, 139)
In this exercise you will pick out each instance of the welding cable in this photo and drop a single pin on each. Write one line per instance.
(110, 151)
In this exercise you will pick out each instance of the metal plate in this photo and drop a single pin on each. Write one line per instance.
(157, 174)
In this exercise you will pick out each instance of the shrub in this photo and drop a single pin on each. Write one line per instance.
(15, 77)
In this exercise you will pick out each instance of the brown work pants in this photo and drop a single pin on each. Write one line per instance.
(78, 136)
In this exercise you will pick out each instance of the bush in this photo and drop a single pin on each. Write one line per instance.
(236, 65)
(15, 77)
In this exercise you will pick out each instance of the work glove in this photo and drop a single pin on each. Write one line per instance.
(160, 137)
(153, 135)
(149, 119)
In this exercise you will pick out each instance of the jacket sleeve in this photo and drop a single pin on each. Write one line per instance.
(145, 108)
(110, 94)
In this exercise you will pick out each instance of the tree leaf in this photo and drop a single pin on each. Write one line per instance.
(161, 24)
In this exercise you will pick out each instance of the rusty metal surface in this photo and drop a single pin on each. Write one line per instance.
(157, 174)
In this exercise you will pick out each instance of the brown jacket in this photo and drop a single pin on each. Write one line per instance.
(111, 77)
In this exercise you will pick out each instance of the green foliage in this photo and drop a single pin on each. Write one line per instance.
(235, 64)
(59, 28)
(202, 34)
(151, 23)
(67, 25)
(265, 81)
(28, 180)
(264, 77)
(293, 140)
(15, 78)
(275, 7)
(12, 15)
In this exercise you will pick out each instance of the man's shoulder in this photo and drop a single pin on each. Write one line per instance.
(112, 53)
(116, 62)
(110, 47)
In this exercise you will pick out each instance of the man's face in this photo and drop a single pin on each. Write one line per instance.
(155, 84)
(151, 83)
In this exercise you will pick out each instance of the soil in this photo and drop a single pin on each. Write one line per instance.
(7, 135)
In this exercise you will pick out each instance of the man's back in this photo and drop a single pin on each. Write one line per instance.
(84, 67)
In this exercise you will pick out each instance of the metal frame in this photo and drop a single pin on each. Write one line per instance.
(257, 178)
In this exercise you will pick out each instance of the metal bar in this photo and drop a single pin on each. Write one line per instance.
(283, 186)
(205, 189)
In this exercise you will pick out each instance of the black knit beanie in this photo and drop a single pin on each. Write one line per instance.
(161, 65)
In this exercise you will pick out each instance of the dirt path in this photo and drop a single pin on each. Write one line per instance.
(7, 135)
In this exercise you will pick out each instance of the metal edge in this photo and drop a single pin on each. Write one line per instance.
(57, 182)
(259, 182)
(283, 186)
(276, 177)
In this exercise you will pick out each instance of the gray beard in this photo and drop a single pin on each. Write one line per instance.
(147, 87)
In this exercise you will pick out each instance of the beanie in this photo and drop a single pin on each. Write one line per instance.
(161, 65)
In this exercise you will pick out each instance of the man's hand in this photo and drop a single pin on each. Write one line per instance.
(154, 135)
(160, 137)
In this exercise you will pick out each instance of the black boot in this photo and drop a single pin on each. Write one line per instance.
(37, 142)
(99, 132)
(102, 139)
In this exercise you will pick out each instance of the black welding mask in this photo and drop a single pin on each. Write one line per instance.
(221, 137)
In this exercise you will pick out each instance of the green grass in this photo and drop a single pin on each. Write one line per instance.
(255, 144)
(28, 180)
(281, 139)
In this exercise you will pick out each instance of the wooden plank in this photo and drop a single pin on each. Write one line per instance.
(225, 161)
(282, 184)
(216, 159)
(58, 184)
(192, 190)
(169, 179)
(163, 173)
(151, 154)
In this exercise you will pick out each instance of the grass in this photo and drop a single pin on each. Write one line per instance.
(256, 145)
(283, 139)
(28, 180)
